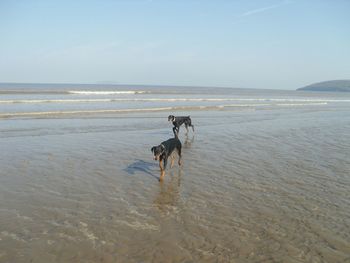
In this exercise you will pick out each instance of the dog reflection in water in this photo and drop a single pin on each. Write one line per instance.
(165, 150)
(188, 142)
(167, 200)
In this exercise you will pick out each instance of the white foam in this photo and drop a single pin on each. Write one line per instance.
(112, 100)
(43, 113)
(301, 104)
(53, 101)
(246, 105)
(105, 92)
(210, 107)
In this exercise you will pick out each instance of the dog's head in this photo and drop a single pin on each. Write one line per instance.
(157, 151)
(171, 118)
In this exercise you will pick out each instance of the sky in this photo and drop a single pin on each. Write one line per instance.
(273, 44)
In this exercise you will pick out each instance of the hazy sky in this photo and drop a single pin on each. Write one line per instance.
(255, 44)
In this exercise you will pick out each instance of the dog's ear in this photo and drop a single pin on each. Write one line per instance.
(162, 146)
(153, 148)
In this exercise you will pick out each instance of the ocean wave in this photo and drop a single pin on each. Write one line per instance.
(47, 113)
(301, 104)
(54, 101)
(72, 92)
(105, 92)
(176, 108)
(276, 104)
(38, 101)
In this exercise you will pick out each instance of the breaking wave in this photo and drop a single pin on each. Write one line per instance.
(38, 101)
(155, 109)
(106, 92)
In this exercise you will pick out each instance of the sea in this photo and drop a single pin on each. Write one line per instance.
(265, 175)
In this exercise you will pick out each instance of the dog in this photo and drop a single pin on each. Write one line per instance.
(178, 121)
(163, 151)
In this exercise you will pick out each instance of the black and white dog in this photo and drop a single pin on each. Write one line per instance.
(178, 121)
(165, 150)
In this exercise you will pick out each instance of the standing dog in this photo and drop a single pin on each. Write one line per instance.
(163, 151)
(178, 121)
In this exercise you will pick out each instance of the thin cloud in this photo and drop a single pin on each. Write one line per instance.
(262, 9)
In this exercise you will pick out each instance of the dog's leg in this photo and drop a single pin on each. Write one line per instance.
(190, 124)
(174, 131)
(179, 153)
(162, 172)
(165, 162)
(172, 160)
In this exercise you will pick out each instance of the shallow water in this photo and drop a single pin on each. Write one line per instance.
(261, 184)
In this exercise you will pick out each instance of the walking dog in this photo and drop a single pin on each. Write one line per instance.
(178, 121)
(165, 150)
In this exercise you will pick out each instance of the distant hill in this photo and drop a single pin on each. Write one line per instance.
(331, 85)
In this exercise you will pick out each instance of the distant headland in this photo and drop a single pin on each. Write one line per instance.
(330, 86)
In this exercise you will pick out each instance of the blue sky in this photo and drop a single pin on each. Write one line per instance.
(278, 44)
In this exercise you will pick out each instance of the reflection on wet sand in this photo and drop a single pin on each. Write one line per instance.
(188, 141)
(168, 195)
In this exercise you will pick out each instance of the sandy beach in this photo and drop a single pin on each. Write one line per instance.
(256, 185)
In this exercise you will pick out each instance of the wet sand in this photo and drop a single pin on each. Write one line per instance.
(255, 186)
